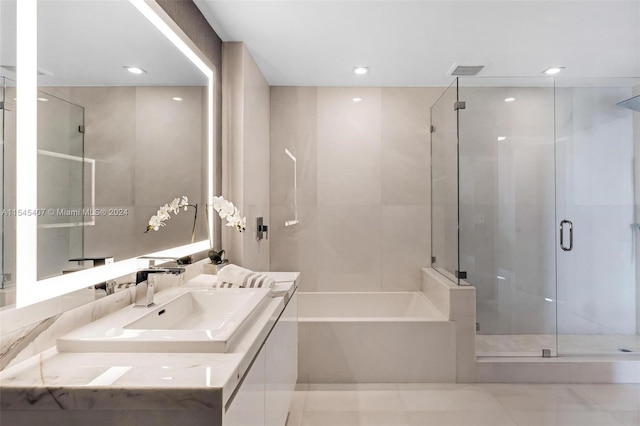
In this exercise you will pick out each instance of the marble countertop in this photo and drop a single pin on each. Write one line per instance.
(65, 380)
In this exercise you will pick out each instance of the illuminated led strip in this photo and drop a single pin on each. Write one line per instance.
(26, 144)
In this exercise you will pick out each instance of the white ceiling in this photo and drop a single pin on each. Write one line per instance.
(88, 42)
(414, 43)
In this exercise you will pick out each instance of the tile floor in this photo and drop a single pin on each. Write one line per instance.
(466, 405)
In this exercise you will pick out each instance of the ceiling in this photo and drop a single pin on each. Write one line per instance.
(88, 42)
(415, 43)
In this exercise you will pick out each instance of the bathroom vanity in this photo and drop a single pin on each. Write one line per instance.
(249, 380)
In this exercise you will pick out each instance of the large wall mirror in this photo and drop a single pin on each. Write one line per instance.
(124, 125)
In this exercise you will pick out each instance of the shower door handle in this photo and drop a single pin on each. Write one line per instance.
(562, 224)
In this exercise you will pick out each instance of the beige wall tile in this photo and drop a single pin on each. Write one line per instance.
(405, 246)
(294, 248)
(363, 155)
(246, 154)
(406, 145)
(349, 256)
(349, 156)
(293, 126)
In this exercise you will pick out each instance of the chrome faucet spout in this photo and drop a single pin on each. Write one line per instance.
(145, 286)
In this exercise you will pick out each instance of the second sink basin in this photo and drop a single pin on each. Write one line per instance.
(194, 321)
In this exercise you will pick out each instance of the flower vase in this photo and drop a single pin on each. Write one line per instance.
(209, 268)
(212, 268)
(219, 266)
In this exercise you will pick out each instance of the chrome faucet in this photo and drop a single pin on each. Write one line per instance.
(145, 285)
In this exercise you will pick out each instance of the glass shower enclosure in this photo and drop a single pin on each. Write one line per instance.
(62, 167)
(533, 203)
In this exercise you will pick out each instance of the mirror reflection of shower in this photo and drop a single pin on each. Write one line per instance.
(295, 220)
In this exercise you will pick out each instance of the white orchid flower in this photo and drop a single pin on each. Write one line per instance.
(163, 213)
(175, 206)
(157, 221)
(228, 211)
(238, 223)
(218, 203)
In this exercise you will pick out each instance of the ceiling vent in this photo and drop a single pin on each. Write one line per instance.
(465, 70)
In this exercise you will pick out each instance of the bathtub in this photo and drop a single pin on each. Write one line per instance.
(381, 337)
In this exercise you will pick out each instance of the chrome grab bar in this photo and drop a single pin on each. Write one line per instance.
(562, 246)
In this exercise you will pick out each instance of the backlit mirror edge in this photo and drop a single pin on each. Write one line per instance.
(28, 289)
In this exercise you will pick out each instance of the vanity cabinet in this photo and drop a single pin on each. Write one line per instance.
(251, 386)
(248, 405)
(265, 393)
(282, 365)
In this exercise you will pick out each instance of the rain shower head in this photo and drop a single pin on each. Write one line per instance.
(632, 103)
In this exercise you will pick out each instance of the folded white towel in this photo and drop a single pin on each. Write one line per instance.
(245, 278)
(203, 280)
(227, 285)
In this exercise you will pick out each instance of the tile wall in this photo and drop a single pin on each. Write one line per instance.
(363, 181)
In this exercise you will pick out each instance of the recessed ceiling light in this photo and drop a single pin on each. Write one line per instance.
(509, 99)
(43, 99)
(357, 99)
(552, 70)
(177, 99)
(361, 70)
(501, 138)
(135, 70)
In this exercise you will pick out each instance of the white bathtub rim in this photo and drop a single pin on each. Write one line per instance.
(433, 313)
(368, 319)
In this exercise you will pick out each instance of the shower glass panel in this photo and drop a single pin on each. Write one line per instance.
(444, 183)
(507, 212)
(61, 167)
(598, 177)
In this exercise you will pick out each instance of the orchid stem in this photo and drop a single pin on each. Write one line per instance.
(195, 217)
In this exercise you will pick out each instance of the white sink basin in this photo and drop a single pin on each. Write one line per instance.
(194, 321)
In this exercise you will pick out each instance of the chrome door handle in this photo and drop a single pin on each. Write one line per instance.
(562, 224)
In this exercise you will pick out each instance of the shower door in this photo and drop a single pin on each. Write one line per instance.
(507, 212)
(597, 219)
